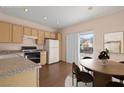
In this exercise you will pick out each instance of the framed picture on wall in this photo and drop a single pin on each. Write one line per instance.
(114, 42)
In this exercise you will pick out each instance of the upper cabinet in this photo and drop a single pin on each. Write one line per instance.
(47, 35)
(40, 40)
(5, 32)
(12, 33)
(53, 35)
(59, 36)
(34, 32)
(27, 31)
(17, 34)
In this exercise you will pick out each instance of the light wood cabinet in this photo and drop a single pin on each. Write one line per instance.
(27, 31)
(17, 34)
(34, 32)
(60, 49)
(47, 34)
(58, 36)
(5, 32)
(40, 38)
(25, 78)
(43, 57)
(53, 35)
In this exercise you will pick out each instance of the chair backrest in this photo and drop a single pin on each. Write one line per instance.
(87, 57)
(75, 68)
(122, 62)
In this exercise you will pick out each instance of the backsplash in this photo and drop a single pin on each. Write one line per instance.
(26, 42)
(12, 46)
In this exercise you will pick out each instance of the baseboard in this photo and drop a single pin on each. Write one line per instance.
(58, 62)
(62, 61)
(65, 62)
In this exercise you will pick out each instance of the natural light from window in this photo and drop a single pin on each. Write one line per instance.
(86, 45)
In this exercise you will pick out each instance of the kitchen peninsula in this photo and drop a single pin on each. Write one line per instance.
(16, 71)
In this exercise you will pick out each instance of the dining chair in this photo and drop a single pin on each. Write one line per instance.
(81, 76)
(73, 73)
(114, 84)
(121, 78)
(89, 70)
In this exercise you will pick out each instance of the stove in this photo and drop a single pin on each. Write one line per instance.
(31, 53)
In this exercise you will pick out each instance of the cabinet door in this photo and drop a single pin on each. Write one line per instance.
(27, 31)
(43, 57)
(17, 34)
(47, 34)
(40, 38)
(5, 32)
(53, 35)
(60, 50)
(34, 32)
(59, 36)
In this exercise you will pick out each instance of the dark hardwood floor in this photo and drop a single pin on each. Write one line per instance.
(54, 75)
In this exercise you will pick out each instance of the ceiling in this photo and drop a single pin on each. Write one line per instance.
(59, 16)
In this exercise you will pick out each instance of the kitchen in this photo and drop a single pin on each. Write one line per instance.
(28, 48)
(14, 37)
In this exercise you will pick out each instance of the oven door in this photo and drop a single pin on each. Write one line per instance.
(33, 56)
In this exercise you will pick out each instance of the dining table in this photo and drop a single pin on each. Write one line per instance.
(103, 73)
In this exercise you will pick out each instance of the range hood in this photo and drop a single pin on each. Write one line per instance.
(29, 40)
(30, 37)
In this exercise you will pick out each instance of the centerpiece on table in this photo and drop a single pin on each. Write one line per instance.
(104, 56)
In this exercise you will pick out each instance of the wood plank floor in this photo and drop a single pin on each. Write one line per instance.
(54, 75)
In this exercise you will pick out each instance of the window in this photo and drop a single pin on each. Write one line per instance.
(86, 45)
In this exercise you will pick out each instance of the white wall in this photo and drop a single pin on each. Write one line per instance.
(99, 26)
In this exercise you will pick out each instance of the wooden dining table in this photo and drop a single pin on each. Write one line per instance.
(103, 72)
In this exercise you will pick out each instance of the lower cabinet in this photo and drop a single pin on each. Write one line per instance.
(25, 78)
(43, 57)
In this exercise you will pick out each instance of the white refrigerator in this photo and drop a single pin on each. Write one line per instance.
(52, 48)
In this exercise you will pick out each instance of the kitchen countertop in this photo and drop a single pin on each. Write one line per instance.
(13, 63)
(6, 52)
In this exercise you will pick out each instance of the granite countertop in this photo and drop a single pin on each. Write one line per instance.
(13, 63)
(5, 52)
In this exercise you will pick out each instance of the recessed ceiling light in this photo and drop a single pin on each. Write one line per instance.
(45, 18)
(90, 7)
(26, 10)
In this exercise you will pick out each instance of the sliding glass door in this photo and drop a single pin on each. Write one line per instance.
(86, 45)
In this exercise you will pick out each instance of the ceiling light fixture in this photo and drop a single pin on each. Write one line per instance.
(45, 18)
(26, 10)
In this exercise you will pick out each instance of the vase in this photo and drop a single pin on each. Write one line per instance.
(104, 61)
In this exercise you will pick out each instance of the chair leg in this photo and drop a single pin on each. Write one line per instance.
(82, 68)
(88, 71)
(121, 81)
(72, 79)
(76, 83)
(93, 84)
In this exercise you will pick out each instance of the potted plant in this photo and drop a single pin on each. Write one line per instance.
(104, 56)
